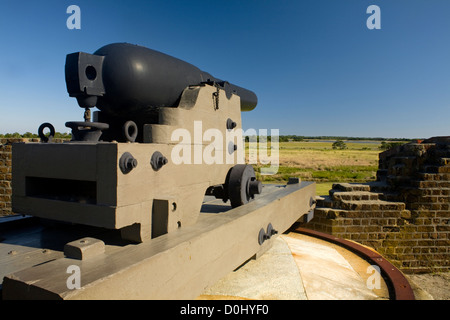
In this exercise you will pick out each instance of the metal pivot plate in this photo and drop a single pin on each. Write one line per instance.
(86, 131)
(242, 185)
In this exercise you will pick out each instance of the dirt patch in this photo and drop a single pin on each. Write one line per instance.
(436, 284)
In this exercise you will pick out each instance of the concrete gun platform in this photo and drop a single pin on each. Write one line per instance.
(300, 267)
(295, 267)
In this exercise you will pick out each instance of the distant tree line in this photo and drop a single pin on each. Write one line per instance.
(386, 143)
(287, 138)
(58, 135)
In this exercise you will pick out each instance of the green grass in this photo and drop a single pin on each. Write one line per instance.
(346, 173)
(318, 161)
(335, 173)
(323, 188)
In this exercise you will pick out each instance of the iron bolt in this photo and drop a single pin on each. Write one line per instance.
(131, 163)
(127, 162)
(158, 160)
(255, 187)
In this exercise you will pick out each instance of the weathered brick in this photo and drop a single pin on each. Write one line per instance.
(338, 229)
(444, 169)
(351, 187)
(426, 184)
(390, 229)
(443, 228)
(425, 228)
(443, 184)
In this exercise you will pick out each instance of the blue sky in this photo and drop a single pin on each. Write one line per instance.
(314, 65)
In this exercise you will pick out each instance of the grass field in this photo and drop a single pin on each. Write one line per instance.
(318, 161)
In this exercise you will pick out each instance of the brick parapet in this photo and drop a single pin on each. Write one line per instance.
(405, 215)
(6, 171)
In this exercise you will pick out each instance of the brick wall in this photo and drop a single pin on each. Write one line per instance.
(6, 170)
(5, 179)
(6, 173)
(405, 215)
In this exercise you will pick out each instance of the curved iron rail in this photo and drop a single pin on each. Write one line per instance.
(399, 287)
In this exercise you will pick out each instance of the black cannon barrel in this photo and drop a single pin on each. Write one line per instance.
(122, 78)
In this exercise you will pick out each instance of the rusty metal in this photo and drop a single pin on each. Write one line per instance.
(399, 287)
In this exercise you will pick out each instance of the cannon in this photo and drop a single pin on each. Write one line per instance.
(126, 169)
(161, 165)
(128, 78)
(131, 83)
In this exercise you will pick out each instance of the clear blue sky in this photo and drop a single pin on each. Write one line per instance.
(314, 65)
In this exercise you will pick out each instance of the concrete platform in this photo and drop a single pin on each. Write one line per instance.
(300, 267)
(296, 267)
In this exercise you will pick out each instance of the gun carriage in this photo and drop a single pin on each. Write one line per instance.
(137, 166)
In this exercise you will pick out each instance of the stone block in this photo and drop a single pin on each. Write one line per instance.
(84, 248)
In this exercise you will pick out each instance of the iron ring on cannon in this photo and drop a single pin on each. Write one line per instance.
(43, 137)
